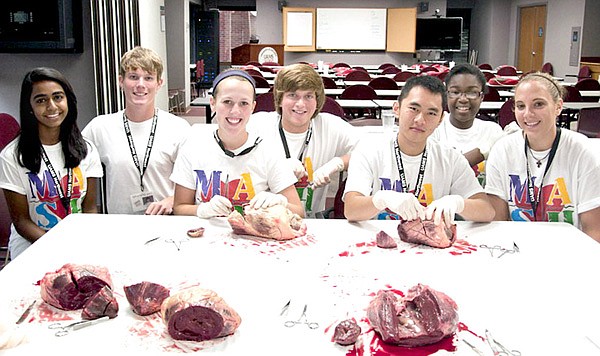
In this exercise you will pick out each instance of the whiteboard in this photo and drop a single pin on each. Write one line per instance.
(296, 21)
(351, 29)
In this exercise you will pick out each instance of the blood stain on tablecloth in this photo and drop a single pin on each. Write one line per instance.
(269, 246)
(462, 247)
(373, 345)
(361, 248)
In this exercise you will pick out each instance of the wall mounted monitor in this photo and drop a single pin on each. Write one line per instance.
(41, 26)
(444, 33)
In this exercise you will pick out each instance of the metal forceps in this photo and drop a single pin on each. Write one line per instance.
(177, 243)
(301, 320)
(64, 330)
(497, 348)
(501, 249)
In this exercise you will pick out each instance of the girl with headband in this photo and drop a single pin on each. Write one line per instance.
(544, 173)
(227, 168)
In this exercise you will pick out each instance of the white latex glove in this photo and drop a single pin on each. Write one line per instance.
(10, 336)
(485, 151)
(217, 206)
(322, 176)
(512, 127)
(447, 206)
(267, 199)
(297, 167)
(404, 204)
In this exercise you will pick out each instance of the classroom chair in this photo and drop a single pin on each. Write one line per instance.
(261, 82)
(383, 83)
(485, 66)
(329, 83)
(548, 68)
(403, 76)
(588, 122)
(391, 70)
(507, 71)
(358, 75)
(506, 115)
(265, 102)
(332, 107)
(10, 130)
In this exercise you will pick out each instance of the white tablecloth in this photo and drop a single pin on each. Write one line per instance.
(542, 300)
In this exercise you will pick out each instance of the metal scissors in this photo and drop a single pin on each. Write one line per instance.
(497, 348)
(177, 243)
(501, 249)
(64, 330)
(302, 320)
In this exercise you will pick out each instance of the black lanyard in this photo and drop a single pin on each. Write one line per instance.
(403, 175)
(136, 161)
(230, 153)
(65, 199)
(530, 185)
(285, 144)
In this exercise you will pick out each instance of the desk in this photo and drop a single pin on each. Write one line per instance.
(541, 301)
(571, 109)
(205, 102)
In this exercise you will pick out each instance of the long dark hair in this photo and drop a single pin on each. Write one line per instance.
(30, 146)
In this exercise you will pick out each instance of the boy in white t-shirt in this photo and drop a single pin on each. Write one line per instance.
(398, 176)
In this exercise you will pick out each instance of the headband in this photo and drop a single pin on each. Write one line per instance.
(233, 73)
(539, 75)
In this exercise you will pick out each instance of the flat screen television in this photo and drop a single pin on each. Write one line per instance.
(41, 26)
(442, 33)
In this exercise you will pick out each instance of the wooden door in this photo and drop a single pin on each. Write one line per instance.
(532, 34)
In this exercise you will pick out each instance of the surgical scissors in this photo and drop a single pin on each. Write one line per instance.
(501, 249)
(65, 329)
(497, 348)
(302, 320)
(177, 243)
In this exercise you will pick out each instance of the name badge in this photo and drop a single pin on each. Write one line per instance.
(141, 201)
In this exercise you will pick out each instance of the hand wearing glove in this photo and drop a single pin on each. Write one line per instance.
(404, 204)
(217, 206)
(322, 176)
(447, 206)
(485, 151)
(297, 167)
(267, 199)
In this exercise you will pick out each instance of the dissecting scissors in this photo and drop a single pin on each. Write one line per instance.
(65, 329)
(177, 243)
(497, 348)
(501, 249)
(302, 320)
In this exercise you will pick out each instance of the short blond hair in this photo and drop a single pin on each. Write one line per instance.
(141, 58)
(298, 77)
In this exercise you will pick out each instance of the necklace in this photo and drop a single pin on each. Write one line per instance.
(538, 161)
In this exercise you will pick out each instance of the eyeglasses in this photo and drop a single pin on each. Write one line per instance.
(470, 94)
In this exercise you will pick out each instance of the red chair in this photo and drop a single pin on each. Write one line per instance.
(588, 84)
(10, 130)
(403, 76)
(253, 63)
(485, 66)
(429, 69)
(358, 75)
(386, 65)
(332, 107)
(588, 122)
(329, 83)
(341, 64)
(506, 115)
(360, 68)
(573, 94)
(359, 92)
(391, 70)
(506, 71)
(584, 72)
(265, 102)
(492, 95)
(488, 75)
(383, 83)
(548, 68)
(254, 72)
(272, 64)
(261, 82)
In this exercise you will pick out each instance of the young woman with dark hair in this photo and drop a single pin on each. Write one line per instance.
(49, 171)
